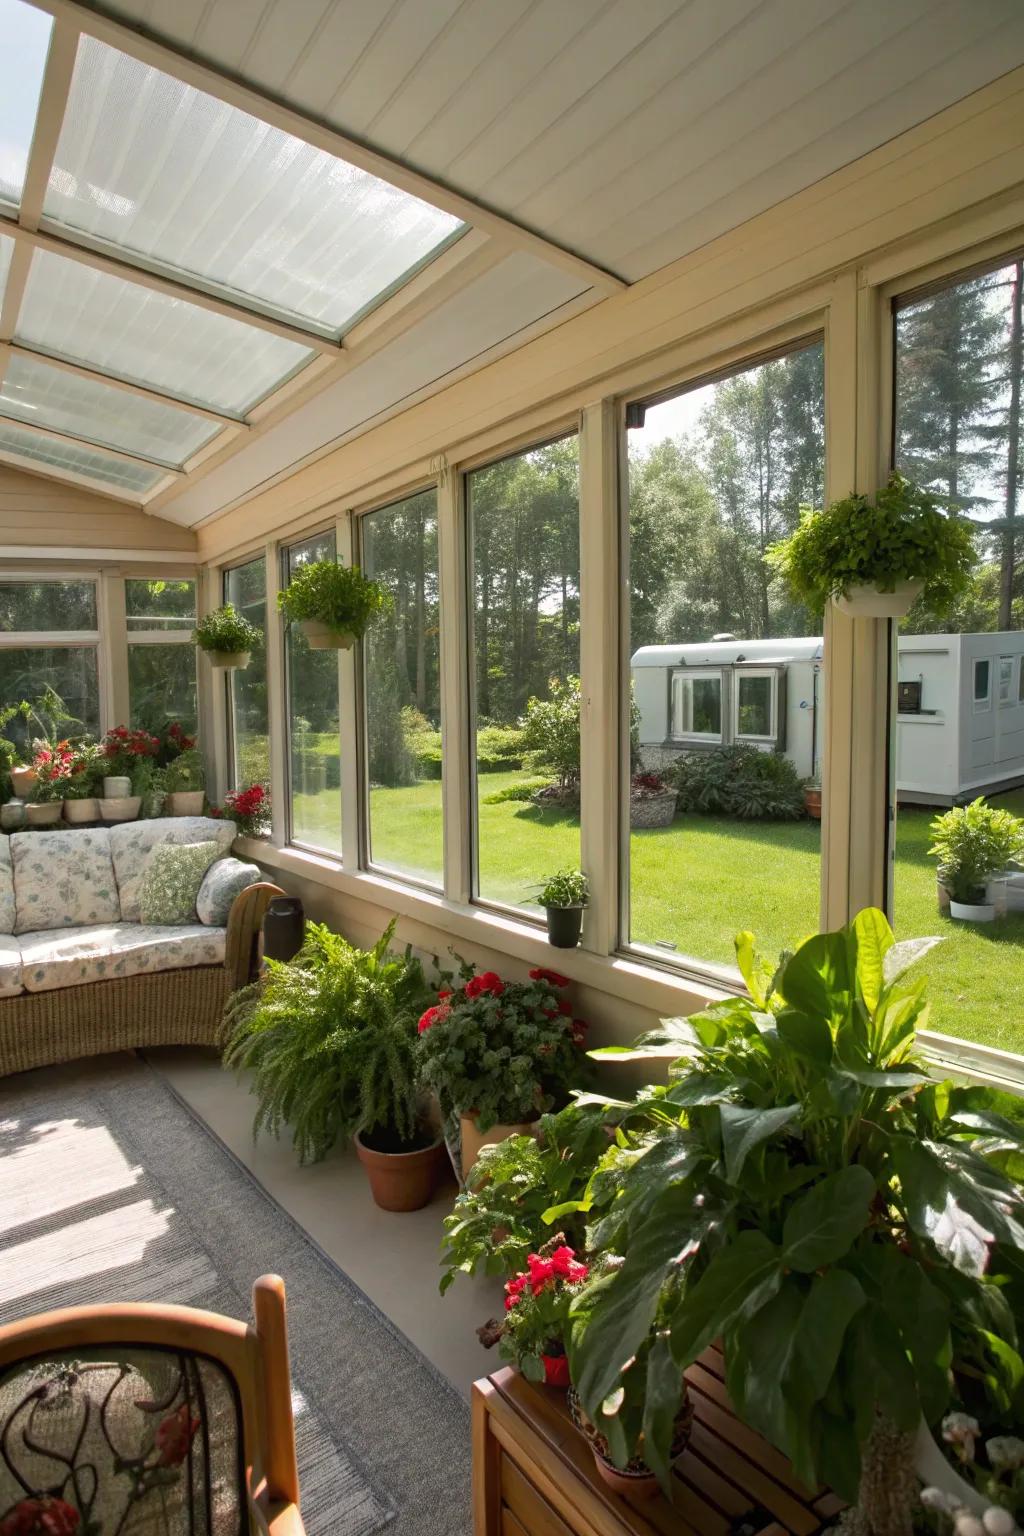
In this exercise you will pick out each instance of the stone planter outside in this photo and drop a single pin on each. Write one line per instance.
(650, 811)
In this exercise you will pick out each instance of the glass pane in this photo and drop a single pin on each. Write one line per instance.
(403, 691)
(313, 711)
(720, 839)
(91, 463)
(47, 605)
(71, 671)
(26, 35)
(51, 398)
(246, 587)
(958, 432)
(160, 603)
(6, 252)
(203, 188)
(162, 686)
(148, 338)
(524, 518)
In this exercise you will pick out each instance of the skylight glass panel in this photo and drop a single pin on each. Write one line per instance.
(150, 338)
(92, 463)
(25, 34)
(32, 391)
(179, 179)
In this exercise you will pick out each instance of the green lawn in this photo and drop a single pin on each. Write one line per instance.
(696, 883)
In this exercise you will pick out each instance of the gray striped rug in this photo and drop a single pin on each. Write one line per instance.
(111, 1190)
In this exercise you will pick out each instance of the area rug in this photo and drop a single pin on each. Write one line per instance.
(112, 1190)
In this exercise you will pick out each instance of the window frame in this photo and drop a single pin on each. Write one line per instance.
(1009, 663)
(283, 575)
(176, 637)
(258, 557)
(95, 640)
(981, 703)
(685, 674)
(741, 674)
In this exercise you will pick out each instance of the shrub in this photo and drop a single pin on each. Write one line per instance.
(738, 781)
(226, 630)
(551, 731)
(499, 748)
(339, 596)
(523, 789)
(972, 842)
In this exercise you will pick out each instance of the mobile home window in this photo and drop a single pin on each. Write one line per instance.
(982, 684)
(1006, 679)
(755, 706)
(697, 706)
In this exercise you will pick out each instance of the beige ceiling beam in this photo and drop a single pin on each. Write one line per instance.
(320, 135)
(53, 100)
(86, 442)
(141, 391)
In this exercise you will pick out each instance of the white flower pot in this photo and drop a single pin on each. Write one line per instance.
(117, 787)
(23, 780)
(321, 637)
(229, 660)
(936, 1471)
(185, 802)
(82, 810)
(120, 807)
(866, 602)
(44, 813)
(969, 912)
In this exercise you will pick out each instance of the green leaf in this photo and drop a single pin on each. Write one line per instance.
(944, 1207)
(745, 1129)
(902, 955)
(836, 1453)
(750, 970)
(816, 979)
(835, 1298)
(739, 1279)
(661, 1404)
(761, 1356)
(873, 938)
(701, 1088)
(822, 1224)
(806, 1034)
(869, 1079)
(672, 1038)
(532, 1367)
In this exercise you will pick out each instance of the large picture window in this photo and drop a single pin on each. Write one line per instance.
(245, 586)
(719, 838)
(49, 641)
(161, 614)
(958, 432)
(402, 691)
(314, 760)
(524, 531)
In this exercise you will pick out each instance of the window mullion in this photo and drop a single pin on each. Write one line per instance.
(456, 743)
(114, 700)
(211, 696)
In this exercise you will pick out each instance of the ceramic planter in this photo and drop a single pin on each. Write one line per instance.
(935, 1471)
(321, 637)
(76, 811)
(185, 802)
(117, 787)
(652, 810)
(473, 1138)
(972, 912)
(812, 802)
(402, 1181)
(45, 813)
(23, 780)
(12, 816)
(868, 602)
(230, 660)
(564, 926)
(120, 807)
(556, 1370)
(635, 1481)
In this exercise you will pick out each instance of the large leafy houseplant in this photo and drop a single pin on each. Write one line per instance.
(850, 1229)
(972, 842)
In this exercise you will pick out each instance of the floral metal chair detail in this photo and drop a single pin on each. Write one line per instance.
(143, 1420)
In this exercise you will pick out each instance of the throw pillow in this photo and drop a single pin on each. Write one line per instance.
(171, 881)
(223, 881)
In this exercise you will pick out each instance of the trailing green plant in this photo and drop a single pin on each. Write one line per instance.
(851, 1229)
(226, 630)
(567, 888)
(972, 842)
(185, 772)
(902, 534)
(339, 596)
(738, 781)
(330, 1042)
(551, 731)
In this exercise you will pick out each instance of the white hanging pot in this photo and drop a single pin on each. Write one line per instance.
(973, 912)
(230, 661)
(867, 602)
(936, 1471)
(321, 637)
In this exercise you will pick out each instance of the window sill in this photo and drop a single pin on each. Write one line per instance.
(627, 979)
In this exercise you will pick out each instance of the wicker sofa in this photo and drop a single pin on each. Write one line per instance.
(80, 973)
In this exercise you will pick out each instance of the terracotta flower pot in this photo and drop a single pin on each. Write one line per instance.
(185, 802)
(402, 1181)
(473, 1138)
(23, 780)
(229, 660)
(812, 802)
(44, 813)
(321, 637)
(81, 810)
(636, 1480)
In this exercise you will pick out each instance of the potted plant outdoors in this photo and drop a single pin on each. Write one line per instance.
(227, 637)
(563, 897)
(184, 780)
(812, 797)
(328, 1041)
(850, 1229)
(84, 776)
(497, 1053)
(536, 1322)
(874, 558)
(331, 604)
(652, 802)
(972, 843)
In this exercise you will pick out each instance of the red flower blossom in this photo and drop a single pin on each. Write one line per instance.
(541, 973)
(174, 1436)
(579, 1031)
(565, 1007)
(488, 981)
(42, 1516)
(428, 1019)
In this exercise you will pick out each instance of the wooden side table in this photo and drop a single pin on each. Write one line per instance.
(534, 1474)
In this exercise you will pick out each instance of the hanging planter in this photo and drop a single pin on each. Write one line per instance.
(331, 604)
(868, 602)
(227, 637)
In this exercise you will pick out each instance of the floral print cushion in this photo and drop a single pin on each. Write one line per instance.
(171, 881)
(10, 967)
(6, 886)
(223, 881)
(79, 955)
(63, 879)
(132, 842)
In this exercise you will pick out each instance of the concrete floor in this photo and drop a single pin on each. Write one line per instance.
(393, 1258)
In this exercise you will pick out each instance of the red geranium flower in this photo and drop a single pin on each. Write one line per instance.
(174, 1436)
(427, 1019)
(488, 981)
(42, 1516)
(541, 973)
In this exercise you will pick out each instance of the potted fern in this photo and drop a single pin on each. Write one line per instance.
(332, 604)
(227, 637)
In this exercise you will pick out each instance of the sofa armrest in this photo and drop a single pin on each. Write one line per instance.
(244, 924)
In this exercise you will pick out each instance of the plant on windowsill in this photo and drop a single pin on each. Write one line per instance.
(227, 637)
(331, 604)
(184, 781)
(249, 809)
(498, 1053)
(652, 802)
(563, 897)
(972, 843)
(875, 557)
(83, 778)
(52, 764)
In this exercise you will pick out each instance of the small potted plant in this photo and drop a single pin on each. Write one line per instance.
(52, 765)
(972, 843)
(120, 751)
(184, 781)
(249, 809)
(84, 774)
(332, 604)
(812, 797)
(227, 637)
(652, 802)
(536, 1322)
(875, 557)
(497, 1053)
(563, 898)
